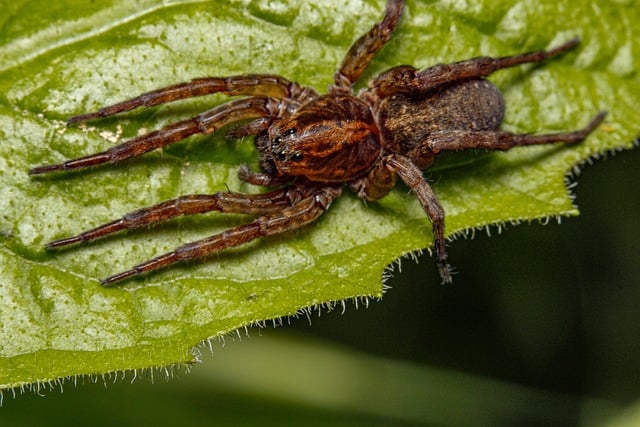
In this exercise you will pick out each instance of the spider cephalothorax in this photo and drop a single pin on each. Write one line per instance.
(332, 138)
(311, 145)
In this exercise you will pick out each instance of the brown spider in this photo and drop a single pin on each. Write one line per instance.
(311, 145)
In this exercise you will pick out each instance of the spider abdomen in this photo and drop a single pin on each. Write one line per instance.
(473, 105)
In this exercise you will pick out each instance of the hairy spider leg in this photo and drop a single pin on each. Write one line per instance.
(407, 79)
(305, 211)
(224, 201)
(207, 122)
(500, 140)
(266, 85)
(366, 47)
(414, 178)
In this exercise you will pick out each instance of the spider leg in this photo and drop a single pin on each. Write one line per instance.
(499, 140)
(253, 204)
(304, 211)
(252, 84)
(207, 122)
(414, 178)
(366, 47)
(405, 79)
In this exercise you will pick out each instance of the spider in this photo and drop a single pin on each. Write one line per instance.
(311, 146)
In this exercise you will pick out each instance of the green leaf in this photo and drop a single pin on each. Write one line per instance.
(56, 320)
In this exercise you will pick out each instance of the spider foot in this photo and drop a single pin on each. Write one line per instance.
(445, 273)
(63, 242)
(148, 266)
(79, 163)
(87, 117)
(595, 122)
(113, 280)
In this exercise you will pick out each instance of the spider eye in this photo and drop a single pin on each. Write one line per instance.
(290, 131)
(280, 155)
(296, 157)
(277, 140)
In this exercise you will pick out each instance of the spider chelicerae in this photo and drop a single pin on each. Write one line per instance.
(312, 145)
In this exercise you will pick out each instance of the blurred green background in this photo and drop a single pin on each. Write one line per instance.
(540, 327)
